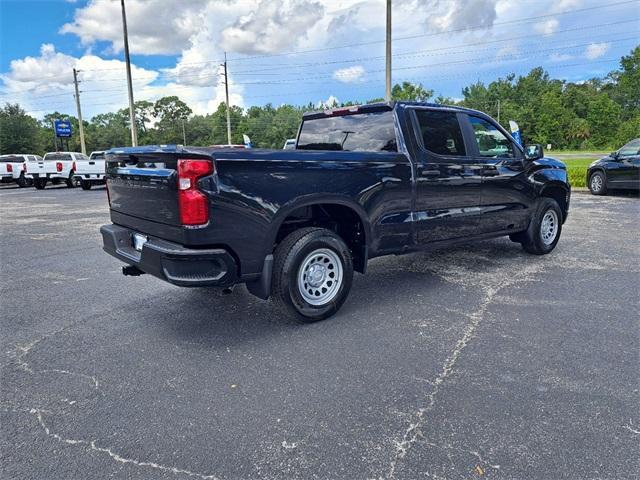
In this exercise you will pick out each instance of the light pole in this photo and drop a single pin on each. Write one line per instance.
(387, 95)
(132, 113)
(83, 148)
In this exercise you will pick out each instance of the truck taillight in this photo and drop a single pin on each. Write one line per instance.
(73, 166)
(9, 167)
(24, 167)
(59, 166)
(193, 204)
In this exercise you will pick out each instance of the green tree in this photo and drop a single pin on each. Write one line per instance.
(411, 92)
(19, 132)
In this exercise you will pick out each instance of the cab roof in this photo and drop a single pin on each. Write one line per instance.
(380, 107)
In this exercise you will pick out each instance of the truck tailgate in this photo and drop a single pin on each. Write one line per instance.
(144, 185)
(84, 167)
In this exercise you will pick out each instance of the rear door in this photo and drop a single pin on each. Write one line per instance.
(447, 201)
(505, 190)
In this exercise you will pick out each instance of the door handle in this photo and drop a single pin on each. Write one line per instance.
(429, 173)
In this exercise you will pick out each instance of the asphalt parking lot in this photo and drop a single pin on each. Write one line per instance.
(477, 362)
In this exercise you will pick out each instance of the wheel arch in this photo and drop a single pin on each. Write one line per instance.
(335, 204)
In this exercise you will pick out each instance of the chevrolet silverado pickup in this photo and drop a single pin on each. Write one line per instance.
(13, 168)
(90, 171)
(57, 167)
(363, 182)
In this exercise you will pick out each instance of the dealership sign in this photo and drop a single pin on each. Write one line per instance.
(62, 128)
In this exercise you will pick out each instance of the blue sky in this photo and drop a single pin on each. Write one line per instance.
(177, 47)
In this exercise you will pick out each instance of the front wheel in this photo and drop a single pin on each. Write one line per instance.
(543, 233)
(85, 184)
(312, 274)
(598, 183)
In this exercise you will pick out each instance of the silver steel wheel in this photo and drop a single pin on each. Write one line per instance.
(596, 182)
(320, 276)
(549, 227)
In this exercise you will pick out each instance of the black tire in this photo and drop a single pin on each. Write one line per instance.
(71, 181)
(290, 254)
(40, 183)
(598, 183)
(85, 184)
(533, 240)
(22, 181)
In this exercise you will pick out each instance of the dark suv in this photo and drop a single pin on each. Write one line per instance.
(362, 182)
(618, 170)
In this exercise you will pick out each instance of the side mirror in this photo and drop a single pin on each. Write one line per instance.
(614, 155)
(533, 152)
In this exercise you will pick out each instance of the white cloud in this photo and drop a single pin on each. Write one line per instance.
(153, 28)
(350, 74)
(274, 25)
(459, 14)
(596, 50)
(547, 27)
(560, 57)
(330, 102)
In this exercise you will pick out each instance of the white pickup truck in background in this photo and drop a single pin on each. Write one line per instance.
(13, 168)
(57, 167)
(91, 171)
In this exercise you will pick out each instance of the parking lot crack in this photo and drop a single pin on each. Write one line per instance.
(491, 286)
(91, 445)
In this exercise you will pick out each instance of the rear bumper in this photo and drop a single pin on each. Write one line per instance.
(94, 177)
(170, 261)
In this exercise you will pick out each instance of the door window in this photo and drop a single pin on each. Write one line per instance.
(492, 143)
(630, 149)
(441, 133)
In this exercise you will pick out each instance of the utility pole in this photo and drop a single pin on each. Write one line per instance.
(498, 110)
(83, 148)
(132, 113)
(226, 91)
(184, 134)
(387, 95)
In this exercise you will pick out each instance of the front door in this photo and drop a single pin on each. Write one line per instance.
(506, 192)
(624, 170)
(447, 180)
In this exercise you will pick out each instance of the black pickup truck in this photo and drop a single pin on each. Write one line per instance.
(362, 182)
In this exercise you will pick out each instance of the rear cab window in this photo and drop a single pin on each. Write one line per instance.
(58, 156)
(97, 156)
(11, 159)
(361, 132)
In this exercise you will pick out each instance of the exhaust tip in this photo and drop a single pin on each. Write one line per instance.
(131, 271)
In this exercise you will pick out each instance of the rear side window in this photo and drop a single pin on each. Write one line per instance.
(96, 156)
(58, 156)
(492, 143)
(364, 132)
(441, 132)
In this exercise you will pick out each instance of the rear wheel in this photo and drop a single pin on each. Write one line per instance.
(598, 183)
(312, 275)
(22, 181)
(85, 184)
(71, 182)
(545, 228)
(40, 183)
